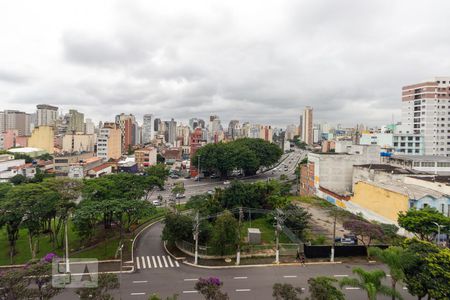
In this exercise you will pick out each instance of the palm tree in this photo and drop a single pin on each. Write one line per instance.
(396, 258)
(370, 281)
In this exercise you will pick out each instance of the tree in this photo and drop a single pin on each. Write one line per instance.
(397, 259)
(11, 217)
(421, 222)
(106, 282)
(13, 286)
(177, 227)
(285, 291)
(178, 189)
(159, 170)
(365, 232)
(18, 179)
(225, 233)
(39, 277)
(438, 266)
(322, 288)
(210, 288)
(297, 220)
(418, 279)
(370, 282)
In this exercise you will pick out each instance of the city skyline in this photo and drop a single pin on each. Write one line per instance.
(175, 59)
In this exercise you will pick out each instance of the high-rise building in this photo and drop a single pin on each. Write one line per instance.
(172, 131)
(76, 121)
(109, 141)
(425, 125)
(15, 120)
(307, 126)
(300, 127)
(128, 128)
(78, 142)
(234, 129)
(46, 115)
(156, 124)
(89, 127)
(147, 129)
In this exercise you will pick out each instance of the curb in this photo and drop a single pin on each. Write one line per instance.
(260, 266)
(170, 253)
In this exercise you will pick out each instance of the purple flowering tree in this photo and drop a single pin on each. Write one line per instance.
(210, 288)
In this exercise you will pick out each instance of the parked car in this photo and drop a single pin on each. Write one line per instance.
(174, 176)
(156, 202)
(346, 240)
(180, 196)
(226, 182)
(210, 192)
(214, 176)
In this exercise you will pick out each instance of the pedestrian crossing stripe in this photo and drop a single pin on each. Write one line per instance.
(144, 262)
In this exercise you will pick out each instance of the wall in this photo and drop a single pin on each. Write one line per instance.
(379, 200)
(42, 138)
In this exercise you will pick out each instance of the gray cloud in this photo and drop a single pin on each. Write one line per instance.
(261, 62)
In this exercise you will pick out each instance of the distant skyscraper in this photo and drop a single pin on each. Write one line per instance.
(300, 127)
(46, 115)
(307, 126)
(147, 129)
(157, 124)
(201, 123)
(172, 131)
(128, 127)
(234, 129)
(89, 127)
(15, 120)
(76, 121)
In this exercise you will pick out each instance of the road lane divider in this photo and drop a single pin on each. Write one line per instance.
(140, 281)
(290, 276)
(243, 290)
(190, 292)
(240, 277)
(190, 279)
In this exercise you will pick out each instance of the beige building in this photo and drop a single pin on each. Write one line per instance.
(78, 143)
(307, 126)
(145, 157)
(42, 138)
(109, 142)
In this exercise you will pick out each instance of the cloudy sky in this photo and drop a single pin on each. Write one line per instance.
(261, 60)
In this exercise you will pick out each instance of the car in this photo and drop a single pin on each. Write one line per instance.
(227, 182)
(187, 176)
(174, 176)
(180, 196)
(346, 240)
(214, 176)
(156, 202)
(210, 192)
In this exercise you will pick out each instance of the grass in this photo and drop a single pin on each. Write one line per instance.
(266, 228)
(105, 248)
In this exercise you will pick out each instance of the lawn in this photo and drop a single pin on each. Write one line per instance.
(104, 249)
(266, 228)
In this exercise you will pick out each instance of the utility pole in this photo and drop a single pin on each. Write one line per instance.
(334, 237)
(238, 255)
(120, 274)
(196, 229)
(277, 234)
(66, 239)
(438, 237)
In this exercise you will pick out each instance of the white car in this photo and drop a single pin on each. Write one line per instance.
(226, 182)
(156, 203)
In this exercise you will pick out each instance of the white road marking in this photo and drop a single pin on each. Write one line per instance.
(137, 294)
(405, 288)
(159, 261)
(340, 275)
(189, 292)
(165, 262)
(243, 290)
(176, 263)
(138, 265)
(190, 279)
(170, 261)
(148, 262)
(154, 261)
(352, 288)
(140, 281)
(240, 277)
(290, 276)
(388, 275)
(143, 262)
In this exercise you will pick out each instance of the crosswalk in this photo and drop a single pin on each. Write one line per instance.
(155, 262)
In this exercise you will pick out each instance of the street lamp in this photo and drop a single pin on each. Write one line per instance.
(438, 237)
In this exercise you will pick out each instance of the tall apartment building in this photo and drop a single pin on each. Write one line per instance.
(109, 141)
(147, 129)
(15, 120)
(426, 118)
(89, 127)
(128, 128)
(307, 126)
(172, 131)
(76, 121)
(46, 115)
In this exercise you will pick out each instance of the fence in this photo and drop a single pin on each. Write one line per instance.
(339, 251)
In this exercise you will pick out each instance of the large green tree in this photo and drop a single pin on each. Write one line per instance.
(370, 282)
(225, 235)
(422, 222)
(438, 267)
(177, 227)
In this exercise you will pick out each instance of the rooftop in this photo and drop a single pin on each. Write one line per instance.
(411, 190)
(392, 169)
(24, 150)
(425, 158)
(440, 179)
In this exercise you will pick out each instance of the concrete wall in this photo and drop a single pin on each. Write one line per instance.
(42, 138)
(379, 200)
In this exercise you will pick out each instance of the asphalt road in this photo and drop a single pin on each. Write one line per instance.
(290, 160)
(157, 273)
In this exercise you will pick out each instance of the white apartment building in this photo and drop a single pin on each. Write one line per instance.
(147, 129)
(426, 113)
(46, 115)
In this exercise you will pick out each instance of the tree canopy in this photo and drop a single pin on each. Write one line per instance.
(422, 222)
